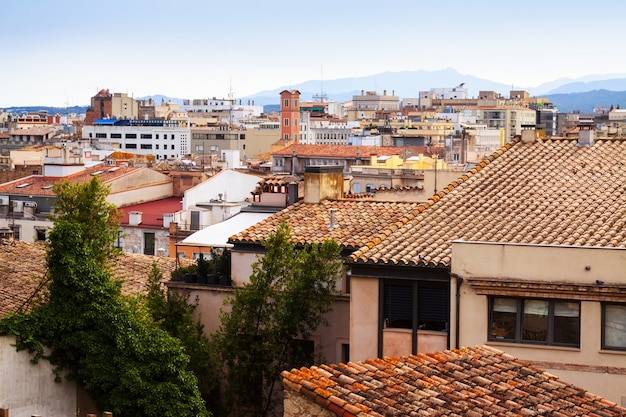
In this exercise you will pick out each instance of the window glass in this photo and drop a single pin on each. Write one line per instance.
(566, 322)
(535, 321)
(549, 322)
(503, 318)
(614, 326)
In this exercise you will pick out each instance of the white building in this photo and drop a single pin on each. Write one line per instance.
(165, 139)
(217, 199)
(317, 131)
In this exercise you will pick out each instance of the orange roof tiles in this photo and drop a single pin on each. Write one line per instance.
(23, 267)
(551, 192)
(40, 185)
(347, 151)
(356, 222)
(461, 382)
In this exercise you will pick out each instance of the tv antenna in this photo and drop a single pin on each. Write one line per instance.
(321, 97)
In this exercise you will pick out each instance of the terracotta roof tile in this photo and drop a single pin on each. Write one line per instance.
(23, 268)
(348, 151)
(551, 192)
(39, 185)
(400, 386)
(357, 222)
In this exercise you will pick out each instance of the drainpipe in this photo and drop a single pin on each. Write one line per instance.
(457, 327)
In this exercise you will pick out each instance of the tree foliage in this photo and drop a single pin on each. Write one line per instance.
(172, 312)
(127, 364)
(290, 291)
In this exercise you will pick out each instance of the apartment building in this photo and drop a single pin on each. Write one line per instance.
(165, 139)
(366, 105)
(111, 105)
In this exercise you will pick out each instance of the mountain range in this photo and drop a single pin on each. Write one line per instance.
(582, 94)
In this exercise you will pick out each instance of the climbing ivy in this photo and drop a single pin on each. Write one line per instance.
(126, 363)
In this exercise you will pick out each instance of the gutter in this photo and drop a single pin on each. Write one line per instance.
(457, 325)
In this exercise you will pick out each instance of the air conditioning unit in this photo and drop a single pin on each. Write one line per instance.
(18, 206)
(4, 200)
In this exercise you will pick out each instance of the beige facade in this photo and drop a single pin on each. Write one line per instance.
(251, 143)
(365, 106)
(589, 277)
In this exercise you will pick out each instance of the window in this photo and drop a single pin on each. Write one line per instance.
(131, 146)
(148, 243)
(146, 136)
(116, 136)
(41, 234)
(131, 136)
(614, 326)
(535, 321)
(424, 304)
(286, 104)
(101, 135)
(286, 122)
(146, 146)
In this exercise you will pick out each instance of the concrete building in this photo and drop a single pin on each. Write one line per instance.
(165, 139)
(105, 105)
(561, 307)
(366, 105)
(26, 203)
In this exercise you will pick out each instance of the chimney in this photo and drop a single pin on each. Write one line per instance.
(529, 136)
(586, 134)
(134, 218)
(322, 182)
(167, 219)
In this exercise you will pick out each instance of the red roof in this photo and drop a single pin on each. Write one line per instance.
(152, 212)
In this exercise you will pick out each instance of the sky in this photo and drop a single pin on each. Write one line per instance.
(62, 52)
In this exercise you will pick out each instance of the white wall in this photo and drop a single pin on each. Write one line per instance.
(27, 389)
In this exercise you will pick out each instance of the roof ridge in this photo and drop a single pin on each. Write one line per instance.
(422, 207)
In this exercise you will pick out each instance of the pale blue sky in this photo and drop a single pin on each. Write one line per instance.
(61, 52)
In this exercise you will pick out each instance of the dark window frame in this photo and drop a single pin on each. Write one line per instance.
(603, 343)
(519, 337)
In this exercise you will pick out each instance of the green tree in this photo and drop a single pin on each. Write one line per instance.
(127, 364)
(290, 291)
(173, 312)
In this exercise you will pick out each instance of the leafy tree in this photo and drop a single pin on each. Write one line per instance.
(290, 291)
(173, 313)
(127, 364)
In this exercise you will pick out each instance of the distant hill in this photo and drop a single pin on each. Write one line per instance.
(587, 101)
(582, 94)
(51, 110)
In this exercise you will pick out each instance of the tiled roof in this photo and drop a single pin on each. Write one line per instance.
(356, 222)
(551, 192)
(347, 151)
(23, 266)
(32, 131)
(152, 211)
(471, 382)
(40, 185)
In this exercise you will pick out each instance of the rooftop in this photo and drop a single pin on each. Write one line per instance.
(461, 382)
(40, 185)
(355, 223)
(548, 192)
(152, 211)
(23, 268)
(347, 151)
